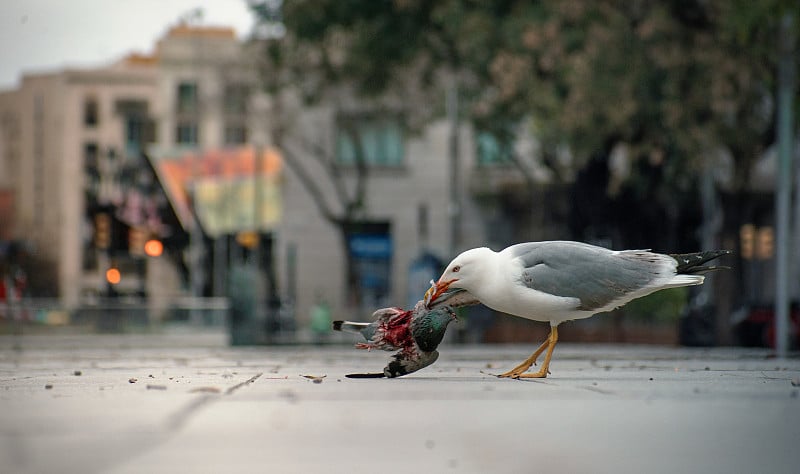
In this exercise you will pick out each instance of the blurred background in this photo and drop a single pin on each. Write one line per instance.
(262, 167)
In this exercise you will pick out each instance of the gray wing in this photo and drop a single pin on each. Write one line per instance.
(595, 275)
(409, 360)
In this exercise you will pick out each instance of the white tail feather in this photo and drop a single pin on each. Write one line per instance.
(685, 280)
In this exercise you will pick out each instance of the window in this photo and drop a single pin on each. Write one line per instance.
(90, 155)
(91, 172)
(235, 99)
(186, 133)
(491, 150)
(90, 112)
(139, 131)
(139, 128)
(380, 137)
(235, 134)
(187, 99)
(187, 107)
(134, 131)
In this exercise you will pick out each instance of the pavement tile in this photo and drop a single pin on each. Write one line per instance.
(166, 403)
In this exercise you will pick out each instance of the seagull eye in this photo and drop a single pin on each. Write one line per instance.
(456, 268)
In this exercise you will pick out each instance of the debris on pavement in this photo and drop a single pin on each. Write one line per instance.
(314, 378)
(205, 390)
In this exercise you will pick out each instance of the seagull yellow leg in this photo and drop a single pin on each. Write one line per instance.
(542, 373)
(527, 363)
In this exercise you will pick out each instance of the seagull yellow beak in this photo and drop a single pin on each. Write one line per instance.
(437, 289)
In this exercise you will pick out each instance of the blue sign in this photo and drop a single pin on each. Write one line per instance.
(377, 246)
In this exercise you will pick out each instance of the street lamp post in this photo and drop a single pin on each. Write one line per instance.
(786, 79)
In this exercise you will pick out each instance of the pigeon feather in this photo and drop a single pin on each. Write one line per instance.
(415, 334)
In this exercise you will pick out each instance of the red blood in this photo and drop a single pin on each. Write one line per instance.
(397, 331)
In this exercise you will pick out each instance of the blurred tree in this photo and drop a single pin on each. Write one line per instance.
(297, 72)
(677, 83)
(670, 79)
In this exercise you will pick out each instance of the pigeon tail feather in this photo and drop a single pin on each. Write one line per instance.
(349, 326)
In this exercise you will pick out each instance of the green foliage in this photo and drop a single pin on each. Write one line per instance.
(661, 306)
(672, 79)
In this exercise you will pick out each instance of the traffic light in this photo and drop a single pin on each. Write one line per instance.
(247, 239)
(137, 236)
(102, 230)
(747, 237)
(765, 243)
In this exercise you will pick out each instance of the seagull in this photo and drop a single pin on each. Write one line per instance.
(415, 334)
(559, 281)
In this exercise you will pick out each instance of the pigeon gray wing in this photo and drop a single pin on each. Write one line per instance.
(409, 360)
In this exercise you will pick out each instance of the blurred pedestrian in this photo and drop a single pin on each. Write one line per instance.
(320, 319)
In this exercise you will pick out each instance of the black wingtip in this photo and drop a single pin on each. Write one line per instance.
(692, 263)
(337, 325)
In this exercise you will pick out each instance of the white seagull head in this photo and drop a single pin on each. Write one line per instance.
(466, 271)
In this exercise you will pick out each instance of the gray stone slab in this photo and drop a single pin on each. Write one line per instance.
(197, 405)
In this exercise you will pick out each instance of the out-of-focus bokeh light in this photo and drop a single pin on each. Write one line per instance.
(113, 276)
(153, 248)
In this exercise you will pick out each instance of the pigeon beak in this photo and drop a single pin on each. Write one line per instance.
(436, 289)
(429, 294)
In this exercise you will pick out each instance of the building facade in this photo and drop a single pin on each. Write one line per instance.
(64, 133)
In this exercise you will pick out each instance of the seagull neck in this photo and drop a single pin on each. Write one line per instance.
(486, 276)
(491, 279)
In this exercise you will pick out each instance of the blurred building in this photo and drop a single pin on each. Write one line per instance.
(65, 138)
(73, 150)
(176, 146)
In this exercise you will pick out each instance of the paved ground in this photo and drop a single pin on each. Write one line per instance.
(187, 403)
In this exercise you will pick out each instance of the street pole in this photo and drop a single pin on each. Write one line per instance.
(454, 152)
(786, 76)
(196, 240)
(256, 252)
(196, 276)
(710, 227)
